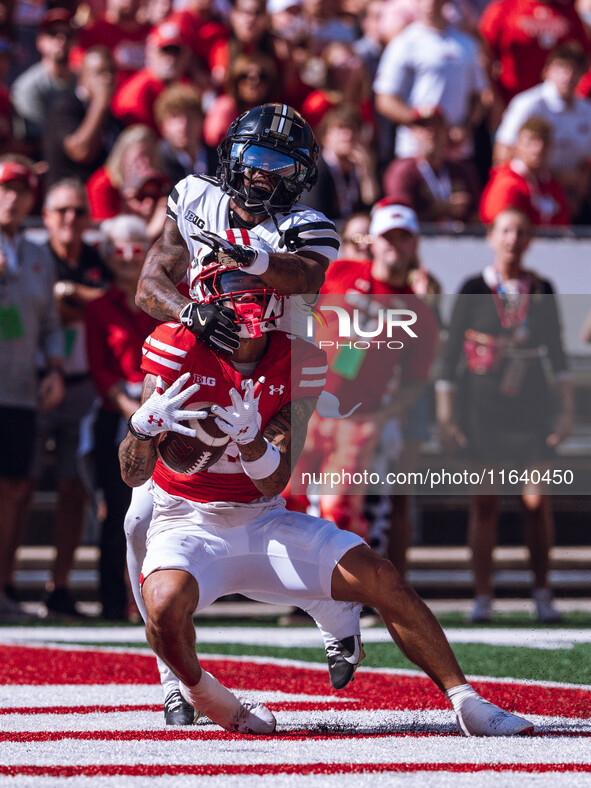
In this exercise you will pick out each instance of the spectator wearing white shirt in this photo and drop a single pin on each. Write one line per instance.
(554, 100)
(431, 63)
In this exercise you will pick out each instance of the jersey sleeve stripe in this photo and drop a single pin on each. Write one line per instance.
(165, 362)
(312, 383)
(313, 242)
(314, 370)
(158, 345)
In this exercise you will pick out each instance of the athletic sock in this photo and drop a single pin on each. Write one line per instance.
(213, 699)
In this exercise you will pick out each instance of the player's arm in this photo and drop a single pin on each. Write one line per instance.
(290, 273)
(165, 267)
(295, 272)
(137, 458)
(286, 433)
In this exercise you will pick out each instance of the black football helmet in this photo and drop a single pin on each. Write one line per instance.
(275, 139)
(256, 306)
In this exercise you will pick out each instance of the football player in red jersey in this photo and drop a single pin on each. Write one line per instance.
(234, 535)
(267, 161)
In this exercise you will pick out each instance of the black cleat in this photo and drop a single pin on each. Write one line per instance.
(177, 711)
(344, 657)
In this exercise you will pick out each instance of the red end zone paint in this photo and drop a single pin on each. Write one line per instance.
(34, 666)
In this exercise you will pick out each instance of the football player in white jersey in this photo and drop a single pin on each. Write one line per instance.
(208, 539)
(267, 160)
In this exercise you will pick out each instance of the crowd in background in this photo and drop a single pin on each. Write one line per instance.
(454, 109)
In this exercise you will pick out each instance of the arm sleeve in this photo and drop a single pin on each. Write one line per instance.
(517, 112)
(165, 351)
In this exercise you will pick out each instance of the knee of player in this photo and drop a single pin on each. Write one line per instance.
(166, 610)
(387, 582)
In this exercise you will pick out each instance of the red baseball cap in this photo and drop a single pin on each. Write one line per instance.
(167, 34)
(15, 171)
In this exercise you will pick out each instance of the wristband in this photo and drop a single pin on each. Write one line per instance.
(260, 265)
(135, 433)
(265, 465)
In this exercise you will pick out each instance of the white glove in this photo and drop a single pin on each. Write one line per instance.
(162, 412)
(239, 420)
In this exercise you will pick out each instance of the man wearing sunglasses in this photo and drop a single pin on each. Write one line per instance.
(37, 88)
(267, 160)
(81, 277)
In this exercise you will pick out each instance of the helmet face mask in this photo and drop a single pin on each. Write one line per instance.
(273, 139)
(256, 306)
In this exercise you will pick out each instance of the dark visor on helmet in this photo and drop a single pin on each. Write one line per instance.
(266, 159)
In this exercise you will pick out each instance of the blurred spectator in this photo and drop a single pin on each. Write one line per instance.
(370, 45)
(22, 19)
(519, 34)
(121, 33)
(132, 179)
(432, 64)
(81, 130)
(346, 81)
(115, 331)
(29, 330)
(570, 118)
(506, 411)
(249, 32)
(200, 27)
(167, 59)
(397, 375)
(525, 182)
(41, 84)
(81, 277)
(7, 142)
(325, 24)
(347, 179)
(251, 80)
(154, 12)
(179, 117)
(291, 50)
(355, 238)
(437, 189)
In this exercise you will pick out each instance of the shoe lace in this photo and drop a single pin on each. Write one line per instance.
(174, 701)
(336, 649)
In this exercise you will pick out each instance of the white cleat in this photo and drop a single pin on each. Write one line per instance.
(478, 717)
(252, 718)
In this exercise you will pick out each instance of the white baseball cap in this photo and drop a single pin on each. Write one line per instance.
(276, 6)
(393, 217)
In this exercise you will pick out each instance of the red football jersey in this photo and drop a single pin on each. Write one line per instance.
(376, 365)
(293, 369)
(522, 33)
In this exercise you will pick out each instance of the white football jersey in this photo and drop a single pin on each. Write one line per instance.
(198, 203)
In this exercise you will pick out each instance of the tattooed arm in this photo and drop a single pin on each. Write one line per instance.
(291, 272)
(287, 431)
(138, 458)
(165, 266)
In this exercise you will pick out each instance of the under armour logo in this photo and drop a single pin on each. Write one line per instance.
(242, 431)
(276, 389)
(153, 420)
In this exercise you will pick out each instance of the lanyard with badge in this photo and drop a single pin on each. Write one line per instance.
(11, 322)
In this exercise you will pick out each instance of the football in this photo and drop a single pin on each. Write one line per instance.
(182, 454)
